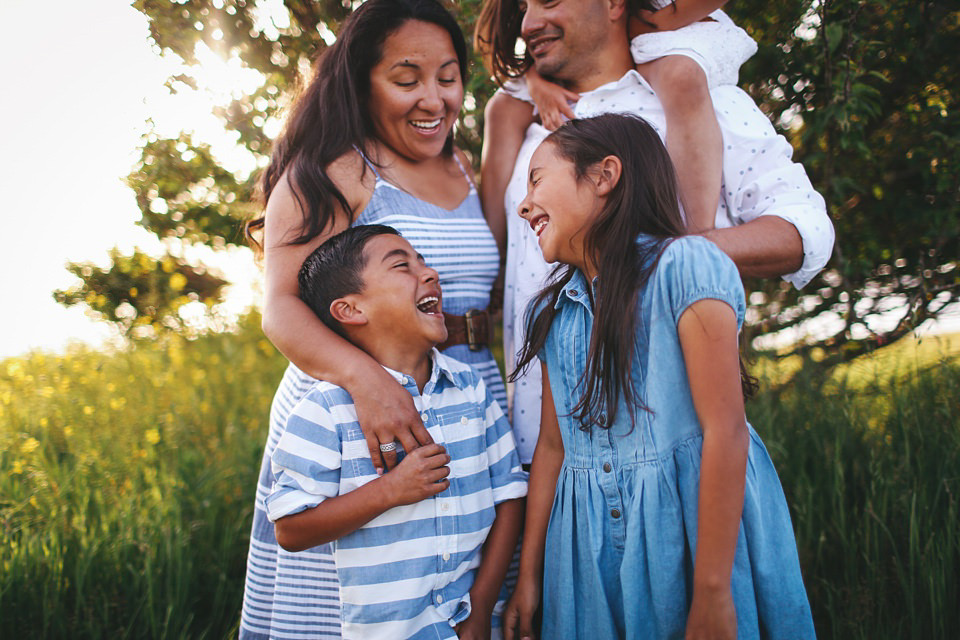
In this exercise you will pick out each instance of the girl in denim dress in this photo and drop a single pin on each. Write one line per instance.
(654, 510)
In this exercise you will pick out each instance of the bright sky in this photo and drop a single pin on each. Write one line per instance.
(81, 80)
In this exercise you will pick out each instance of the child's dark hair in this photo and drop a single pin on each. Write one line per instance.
(643, 202)
(333, 269)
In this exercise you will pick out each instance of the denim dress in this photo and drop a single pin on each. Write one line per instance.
(622, 536)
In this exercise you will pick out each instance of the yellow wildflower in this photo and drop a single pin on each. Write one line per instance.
(17, 467)
(29, 445)
(153, 436)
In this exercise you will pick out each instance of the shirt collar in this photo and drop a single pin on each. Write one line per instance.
(438, 366)
(575, 289)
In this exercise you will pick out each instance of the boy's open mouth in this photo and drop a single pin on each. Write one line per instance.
(429, 304)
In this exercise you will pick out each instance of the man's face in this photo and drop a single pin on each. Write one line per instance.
(563, 36)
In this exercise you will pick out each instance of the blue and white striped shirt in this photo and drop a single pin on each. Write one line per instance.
(407, 572)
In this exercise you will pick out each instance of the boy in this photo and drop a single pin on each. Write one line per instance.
(407, 544)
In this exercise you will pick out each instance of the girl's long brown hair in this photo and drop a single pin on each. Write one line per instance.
(643, 205)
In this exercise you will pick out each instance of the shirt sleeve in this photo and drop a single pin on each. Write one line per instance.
(761, 179)
(507, 478)
(693, 269)
(306, 461)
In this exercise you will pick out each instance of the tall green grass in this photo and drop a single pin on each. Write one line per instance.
(127, 481)
(870, 462)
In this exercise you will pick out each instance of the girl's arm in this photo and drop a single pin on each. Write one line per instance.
(672, 17)
(385, 409)
(708, 337)
(552, 100)
(547, 460)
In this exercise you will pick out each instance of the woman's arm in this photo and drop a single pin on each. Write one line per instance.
(385, 409)
(547, 460)
(708, 337)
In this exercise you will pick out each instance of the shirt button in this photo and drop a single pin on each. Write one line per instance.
(404, 380)
(615, 513)
(607, 467)
(439, 599)
(444, 507)
(573, 292)
(446, 556)
(463, 420)
(602, 419)
(424, 416)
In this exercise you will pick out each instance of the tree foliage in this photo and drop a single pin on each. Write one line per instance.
(865, 91)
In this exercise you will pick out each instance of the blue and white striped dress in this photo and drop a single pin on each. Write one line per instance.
(296, 595)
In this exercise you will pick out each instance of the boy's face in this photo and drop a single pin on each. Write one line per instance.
(401, 298)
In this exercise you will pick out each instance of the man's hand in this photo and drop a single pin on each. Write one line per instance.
(422, 473)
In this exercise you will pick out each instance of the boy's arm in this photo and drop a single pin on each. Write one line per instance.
(421, 474)
(497, 553)
(673, 16)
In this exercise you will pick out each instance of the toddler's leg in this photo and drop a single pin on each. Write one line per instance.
(694, 141)
(505, 125)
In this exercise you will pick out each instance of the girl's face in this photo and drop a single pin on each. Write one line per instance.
(559, 207)
(415, 90)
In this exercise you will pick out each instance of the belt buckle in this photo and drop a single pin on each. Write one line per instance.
(472, 341)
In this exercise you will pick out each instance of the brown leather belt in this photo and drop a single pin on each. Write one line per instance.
(474, 329)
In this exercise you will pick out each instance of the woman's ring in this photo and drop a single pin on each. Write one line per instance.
(390, 446)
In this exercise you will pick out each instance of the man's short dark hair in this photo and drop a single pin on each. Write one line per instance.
(333, 270)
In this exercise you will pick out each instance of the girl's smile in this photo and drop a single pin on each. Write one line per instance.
(560, 206)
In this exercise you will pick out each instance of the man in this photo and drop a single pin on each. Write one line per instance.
(770, 220)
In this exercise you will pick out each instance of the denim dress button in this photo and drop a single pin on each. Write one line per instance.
(607, 467)
(615, 513)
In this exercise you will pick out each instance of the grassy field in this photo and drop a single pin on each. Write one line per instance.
(126, 483)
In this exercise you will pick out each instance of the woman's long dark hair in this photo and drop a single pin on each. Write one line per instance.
(497, 31)
(330, 116)
(643, 202)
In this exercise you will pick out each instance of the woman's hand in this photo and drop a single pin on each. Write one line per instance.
(712, 616)
(386, 414)
(552, 100)
(518, 616)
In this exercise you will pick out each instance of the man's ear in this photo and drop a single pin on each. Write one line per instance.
(608, 174)
(346, 311)
(617, 9)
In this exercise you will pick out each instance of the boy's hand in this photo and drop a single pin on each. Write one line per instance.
(518, 617)
(422, 473)
(475, 627)
(553, 101)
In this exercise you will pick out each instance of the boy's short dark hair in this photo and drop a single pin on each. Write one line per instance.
(333, 270)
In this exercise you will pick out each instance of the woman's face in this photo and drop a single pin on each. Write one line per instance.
(416, 91)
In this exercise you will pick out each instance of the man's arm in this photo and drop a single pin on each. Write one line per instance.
(762, 189)
(767, 247)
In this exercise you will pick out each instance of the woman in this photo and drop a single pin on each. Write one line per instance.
(368, 141)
